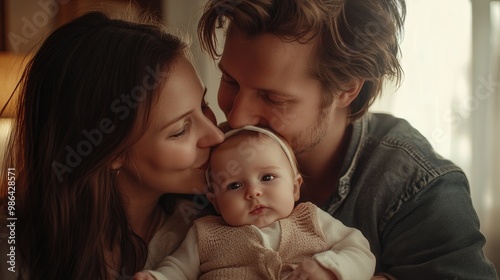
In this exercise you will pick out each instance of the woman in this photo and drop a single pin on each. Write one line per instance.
(112, 123)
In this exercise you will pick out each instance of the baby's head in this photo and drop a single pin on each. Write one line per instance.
(253, 178)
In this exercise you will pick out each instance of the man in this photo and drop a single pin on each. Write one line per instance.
(309, 70)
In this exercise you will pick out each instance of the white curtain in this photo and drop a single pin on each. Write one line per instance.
(493, 229)
(436, 59)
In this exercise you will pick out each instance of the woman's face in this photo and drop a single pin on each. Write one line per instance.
(172, 155)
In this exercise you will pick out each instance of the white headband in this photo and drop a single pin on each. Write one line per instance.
(273, 136)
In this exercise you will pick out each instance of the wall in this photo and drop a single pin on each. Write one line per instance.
(185, 17)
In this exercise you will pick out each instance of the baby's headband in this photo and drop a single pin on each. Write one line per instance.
(273, 136)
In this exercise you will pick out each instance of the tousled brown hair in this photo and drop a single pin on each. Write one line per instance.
(355, 39)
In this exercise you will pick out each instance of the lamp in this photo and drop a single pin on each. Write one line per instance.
(11, 68)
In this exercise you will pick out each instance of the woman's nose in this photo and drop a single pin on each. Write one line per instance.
(210, 134)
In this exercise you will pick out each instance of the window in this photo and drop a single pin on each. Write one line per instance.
(450, 93)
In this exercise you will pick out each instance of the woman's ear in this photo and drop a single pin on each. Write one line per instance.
(296, 186)
(345, 98)
(117, 163)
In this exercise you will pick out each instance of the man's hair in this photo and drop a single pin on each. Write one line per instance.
(355, 39)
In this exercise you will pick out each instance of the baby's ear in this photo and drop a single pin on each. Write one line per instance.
(297, 182)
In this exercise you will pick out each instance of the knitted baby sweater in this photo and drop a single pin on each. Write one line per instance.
(213, 250)
(237, 252)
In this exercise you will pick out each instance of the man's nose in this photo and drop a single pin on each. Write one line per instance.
(245, 110)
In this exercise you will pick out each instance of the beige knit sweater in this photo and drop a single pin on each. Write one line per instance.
(213, 250)
(237, 252)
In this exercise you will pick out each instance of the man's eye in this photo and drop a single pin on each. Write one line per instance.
(270, 98)
(268, 177)
(234, 186)
(204, 104)
(226, 79)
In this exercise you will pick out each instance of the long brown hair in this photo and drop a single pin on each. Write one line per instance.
(355, 39)
(84, 99)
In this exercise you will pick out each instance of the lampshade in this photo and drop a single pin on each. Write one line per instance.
(11, 68)
(5, 130)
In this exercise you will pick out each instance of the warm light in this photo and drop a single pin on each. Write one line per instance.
(5, 130)
(11, 69)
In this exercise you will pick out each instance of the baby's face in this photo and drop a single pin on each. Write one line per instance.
(253, 184)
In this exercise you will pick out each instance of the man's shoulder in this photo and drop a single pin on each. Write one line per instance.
(395, 163)
(398, 143)
(385, 128)
(397, 158)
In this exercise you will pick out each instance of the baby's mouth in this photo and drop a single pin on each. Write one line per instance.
(257, 210)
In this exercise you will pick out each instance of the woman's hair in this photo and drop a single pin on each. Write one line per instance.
(354, 39)
(85, 98)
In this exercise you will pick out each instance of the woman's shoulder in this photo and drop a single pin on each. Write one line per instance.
(172, 230)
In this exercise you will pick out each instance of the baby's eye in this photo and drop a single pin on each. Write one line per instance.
(268, 177)
(234, 186)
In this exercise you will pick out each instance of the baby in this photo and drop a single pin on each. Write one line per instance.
(254, 184)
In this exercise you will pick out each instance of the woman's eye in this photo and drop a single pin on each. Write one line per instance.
(182, 132)
(234, 186)
(268, 177)
(178, 134)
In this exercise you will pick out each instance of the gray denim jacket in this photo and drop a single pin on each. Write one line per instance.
(411, 204)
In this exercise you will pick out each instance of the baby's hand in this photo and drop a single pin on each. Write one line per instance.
(143, 275)
(311, 270)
